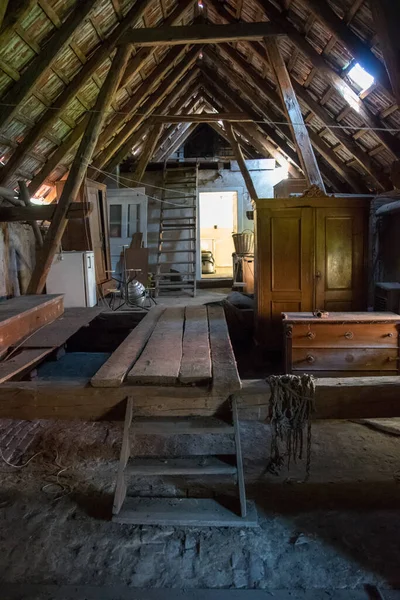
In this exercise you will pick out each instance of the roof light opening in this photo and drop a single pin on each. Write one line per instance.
(361, 77)
(200, 4)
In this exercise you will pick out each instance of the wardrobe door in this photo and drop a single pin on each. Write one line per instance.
(341, 277)
(284, 269)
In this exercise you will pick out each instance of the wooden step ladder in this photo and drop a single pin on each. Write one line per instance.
(181, 511)
(177, 233)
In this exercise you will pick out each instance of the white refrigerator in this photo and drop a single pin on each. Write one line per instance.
(73, 274)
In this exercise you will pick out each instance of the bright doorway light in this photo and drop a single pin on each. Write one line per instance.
(361, 77)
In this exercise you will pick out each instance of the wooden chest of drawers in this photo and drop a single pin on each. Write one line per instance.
(353, 344)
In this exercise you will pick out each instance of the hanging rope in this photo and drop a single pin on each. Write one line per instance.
(290, 409)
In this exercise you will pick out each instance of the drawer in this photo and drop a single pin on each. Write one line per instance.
(338, 335)
(351, 359)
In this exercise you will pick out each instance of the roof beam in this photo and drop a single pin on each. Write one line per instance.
(57, 43)
(148, 151)
(51, 115)
(77, 172)
(203, 33)
(179, 138)
(295, 116)
(203, 118)
(378, 176)
(357, 48)
(116, 151)
(391, 143)
(386, 15)
(237, 152)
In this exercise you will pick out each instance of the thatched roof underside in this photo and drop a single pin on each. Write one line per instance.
(54, 59)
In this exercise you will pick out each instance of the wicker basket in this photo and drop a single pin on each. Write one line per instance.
(244, 242)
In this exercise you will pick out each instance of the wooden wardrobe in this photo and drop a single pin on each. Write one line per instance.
(92, 232)
(311, 253)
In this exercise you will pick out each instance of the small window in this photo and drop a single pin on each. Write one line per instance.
(133, 219)
(115, 220)
(361, 77)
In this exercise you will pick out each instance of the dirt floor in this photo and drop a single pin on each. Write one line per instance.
(338, 530)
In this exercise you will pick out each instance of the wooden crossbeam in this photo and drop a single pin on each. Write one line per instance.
(203, 33)
(204, 118)
(58, 42)
(50, 116)
(295, 116)
(78, 171)
(386, 15)
(15, 214)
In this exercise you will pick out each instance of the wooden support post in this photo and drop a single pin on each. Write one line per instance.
(386, 15)
(147, 151)
(59, 41)
(3, 10)
(237, 151)
(294, 114)
(25, 197)
(78, 170)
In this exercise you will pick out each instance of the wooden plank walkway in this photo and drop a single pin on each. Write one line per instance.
(27, 359)
(160, 361)
(196, 356)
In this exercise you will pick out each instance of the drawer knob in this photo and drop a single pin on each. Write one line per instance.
(349, 335)
(310, 359)
(389, 335)
(311, 335)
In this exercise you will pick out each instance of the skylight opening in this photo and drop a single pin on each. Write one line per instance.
(361, 77)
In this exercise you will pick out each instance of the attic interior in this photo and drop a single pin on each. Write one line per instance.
(200, 299)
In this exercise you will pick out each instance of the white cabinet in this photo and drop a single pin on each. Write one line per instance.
(73, 274)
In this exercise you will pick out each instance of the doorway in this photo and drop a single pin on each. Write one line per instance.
(218, 220)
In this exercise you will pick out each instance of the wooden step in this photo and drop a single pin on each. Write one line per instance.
(176, 251)
(193, 465)
(175, 226)
(189, 512)
(172, 241)
(184, 285)
(180, 426)
(167, 219)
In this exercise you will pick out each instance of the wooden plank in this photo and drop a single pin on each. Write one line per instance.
(58, 333)
(22, 362)
(239, 459)
(160, 361)
(336, 398)
(196, 358)
(180, 426)
(194, 465)
(295, 116)
(22, 316)
(120, 488)
(78, 170)
(147, 151)
(114, 370)
(198, 34)
(204, 118)
(12, 214)
(180, 512)
(226, 378)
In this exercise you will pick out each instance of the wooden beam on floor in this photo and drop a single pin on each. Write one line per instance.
(203, 33)
(237, 152)
(50, 116)
(295, 116)
(78, 171)
(60, 39)
(386, 15)
(335, 398)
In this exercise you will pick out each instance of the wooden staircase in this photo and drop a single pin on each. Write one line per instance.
(177, 233)
(181, 511)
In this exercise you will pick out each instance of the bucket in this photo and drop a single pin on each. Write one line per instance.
(244, 242)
